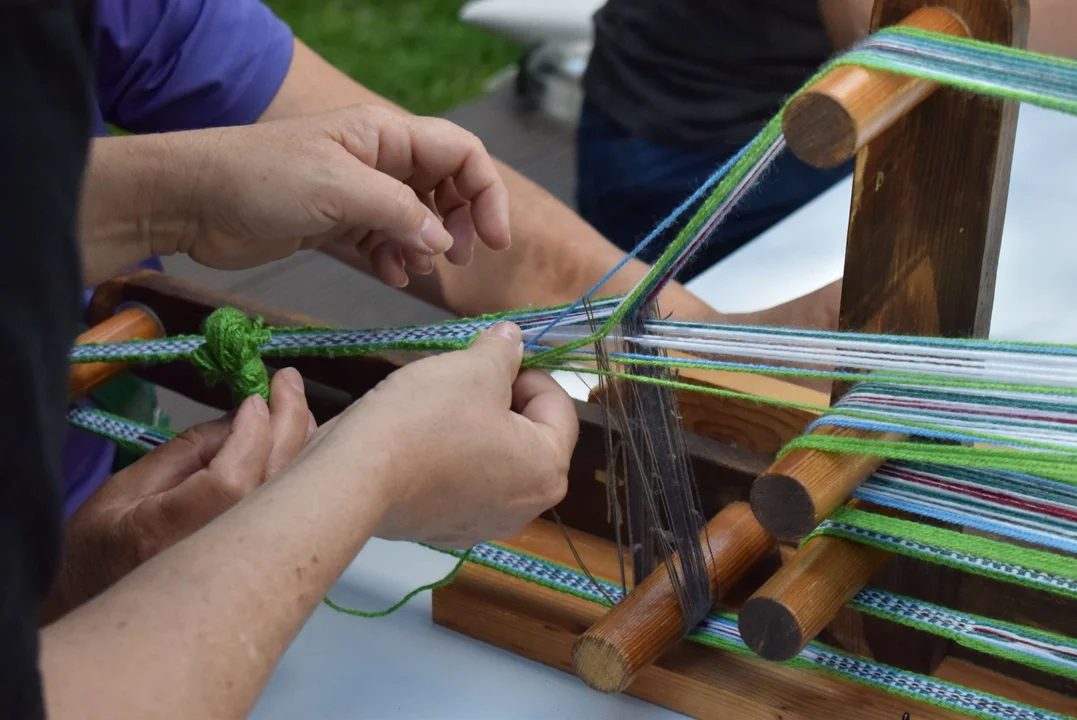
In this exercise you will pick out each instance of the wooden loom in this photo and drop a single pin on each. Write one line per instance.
(929, 197)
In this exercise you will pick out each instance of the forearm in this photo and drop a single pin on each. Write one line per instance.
(197, 631)
(555, 256)
(136, 200)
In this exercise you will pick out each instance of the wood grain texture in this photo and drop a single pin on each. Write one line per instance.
(700, 682)
(133, 323)
(795, 605)
(649, 620)
(928, 206)
(802, 488)
(929, 199)
(723, 474)
(739, 421)
(830, 121)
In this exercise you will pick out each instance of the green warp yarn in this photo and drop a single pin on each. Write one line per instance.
(232, 353)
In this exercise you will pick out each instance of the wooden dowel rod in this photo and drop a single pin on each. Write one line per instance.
(648, 621)
(132, 323)
(828, 123)
(805, 596)
(802, 488)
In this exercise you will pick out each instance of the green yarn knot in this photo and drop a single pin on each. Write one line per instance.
(232, 353)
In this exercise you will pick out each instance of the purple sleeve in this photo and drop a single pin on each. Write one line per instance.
(180, 64)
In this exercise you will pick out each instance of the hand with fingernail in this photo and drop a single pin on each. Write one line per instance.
(455, 449)
(178, 488)
(391, 189)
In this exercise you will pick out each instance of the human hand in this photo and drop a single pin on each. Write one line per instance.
(394, 189)
(178, 488)
(461, 448)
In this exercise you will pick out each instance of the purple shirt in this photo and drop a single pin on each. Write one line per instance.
(165, 65)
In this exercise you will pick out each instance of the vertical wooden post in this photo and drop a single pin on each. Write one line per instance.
(929, 199)
(925, 229)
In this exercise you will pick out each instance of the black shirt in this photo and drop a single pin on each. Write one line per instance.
(45, 103)
(702, 72)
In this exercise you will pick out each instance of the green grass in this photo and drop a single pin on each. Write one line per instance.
(414, 52)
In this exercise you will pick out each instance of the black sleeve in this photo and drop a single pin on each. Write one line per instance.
(45, 102)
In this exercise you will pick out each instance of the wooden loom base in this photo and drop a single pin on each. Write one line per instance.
(698, 681)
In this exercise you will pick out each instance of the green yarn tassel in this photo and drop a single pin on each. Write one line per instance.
(232, 352)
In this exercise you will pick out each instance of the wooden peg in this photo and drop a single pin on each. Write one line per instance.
(802, 488)
(829, 122)
(802, 598)
(133, 323)
(648, 621)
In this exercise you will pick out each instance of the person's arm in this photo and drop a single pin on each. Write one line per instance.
(555, 256)
(176, 489)
(1052, 24)
(197, 630)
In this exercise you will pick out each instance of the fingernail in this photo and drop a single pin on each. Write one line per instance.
(434, 236)
(509, 331)
(425, 266)
(312, 425)
(293, 378)
(259, 404)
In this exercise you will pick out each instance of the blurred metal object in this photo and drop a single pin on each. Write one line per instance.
(534, 22)
(550, 76)
(558, 35)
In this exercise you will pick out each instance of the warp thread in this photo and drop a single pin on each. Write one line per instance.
(1029, 646)
(233, 354)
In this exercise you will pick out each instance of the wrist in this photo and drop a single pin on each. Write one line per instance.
(140, 199)
(177, 172)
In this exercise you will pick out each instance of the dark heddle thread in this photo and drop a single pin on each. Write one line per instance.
(651, 464)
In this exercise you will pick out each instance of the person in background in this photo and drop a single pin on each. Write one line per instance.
(160, 69)
(673, 91)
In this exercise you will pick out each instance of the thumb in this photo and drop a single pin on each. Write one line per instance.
(170, 464)
(497, 353)
(376, 201)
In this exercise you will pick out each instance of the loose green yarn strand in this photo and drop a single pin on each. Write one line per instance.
(463, 557)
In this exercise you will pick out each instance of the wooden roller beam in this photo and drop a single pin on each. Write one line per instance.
(847, 108)
(799, 601)
(802, 488)
(132, 323)
(929, 200)
(649, 621)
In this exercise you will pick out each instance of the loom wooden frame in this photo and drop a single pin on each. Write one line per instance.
(892, 268)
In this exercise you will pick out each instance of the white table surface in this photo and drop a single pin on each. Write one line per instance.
(403, 666)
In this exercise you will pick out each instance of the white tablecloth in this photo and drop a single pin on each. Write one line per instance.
(405, 667)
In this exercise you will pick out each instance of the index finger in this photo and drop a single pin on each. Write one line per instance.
(540, 399)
